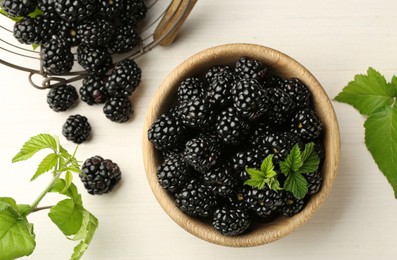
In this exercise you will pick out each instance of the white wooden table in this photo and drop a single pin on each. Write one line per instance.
(333, 39)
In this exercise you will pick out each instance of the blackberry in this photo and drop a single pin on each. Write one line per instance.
(110, 8)
(247, 68)
(231, 221)
(68, 32)
(230, 128)
(306, 124)
(166, 132)
(249, 98)
(118, 109)
(195, 113)
(92, 90)
(280, 144)
(219, 88)
(37, 30)
(57, 56)
(315, 181)
(16, 8)
(76, 129)
(298, 92)
(272, 81)
(99, 175)
(220, 179)
(250, 157)
(291, 205)
(125, 39)
(75, 10)
(264, 202)
(62, 98)
(281, 106)
(47, 7)
(124, 78)
(196, 200)
(215, 70)
(133, 11)
(95, 60)
(173, 173)
(202, 153)
(190, 88)
(96, 32)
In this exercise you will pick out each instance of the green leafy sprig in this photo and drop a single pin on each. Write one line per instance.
(375, 98)
(17, 238)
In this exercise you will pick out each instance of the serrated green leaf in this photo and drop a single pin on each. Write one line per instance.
(308, 150)
(71, 192)
(17, 238)
(85, 234)
(9, 201)
(297, 185)
(67, 215)
(310, 160)
(258, 184)
(368, 92)
(47, 164)
(35, 144)
(381, 141)
(255, 174)
(68, 181)
(293, 161)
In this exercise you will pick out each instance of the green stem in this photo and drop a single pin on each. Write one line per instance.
(33, 206)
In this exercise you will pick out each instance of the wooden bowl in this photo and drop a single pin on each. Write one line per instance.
(284, 66)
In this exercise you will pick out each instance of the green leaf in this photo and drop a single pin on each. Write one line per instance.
(266, 176)
(67, 215)
(35, 144)
(297, 185)
(47, 164)
(17, 238)
(381, 141)
(310, 159)
(9, 201)
(256, 178)
(293, 161)
(368, 92)
(267, 165)
(71, 192)
(85, 234)
(68, 181)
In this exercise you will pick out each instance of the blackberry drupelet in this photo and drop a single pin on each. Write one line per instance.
(281, 106)
(118, 109)
(306, 124)
(195, 113)
(291, 205)
(218, 69)
(231, 221)
(92, 90)
(247, 68)
(57, 56)
(125, 39)
(95, 32)
(219, 88)
(298, 92)
(230, 128)
(68, 32)
(99, 175)
(196, 200)
(48, 8)
(76, 129)
(314, 181)
(249, 98)
(62, 98)
(264, 202)
(133, 11)
(173, 173)
(75, 10)
(272, 81)
(220, 179)
(124, 79)
(280, 144)
(15, 8)
(95, 60)
(190, 88)
(110, 8)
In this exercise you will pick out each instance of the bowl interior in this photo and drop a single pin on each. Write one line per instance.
(284, 66)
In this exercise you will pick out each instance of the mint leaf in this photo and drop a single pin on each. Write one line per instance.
(381, 141)
(297, 185)
(368, 92)
(35, 144)
(85, 234)
(16, 233)
(67, 215)
(293, 161)
(47, 164)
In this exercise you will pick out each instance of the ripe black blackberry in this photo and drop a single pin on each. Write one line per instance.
(125, 39)
(218, 69)
(306, 124)
(62, 98)
(57, 56)
(92, 90)
(190, 88)
(247, 68)
(47, 8)
(68, 32)
(118, 109)
(264, 202)
(173, 173)
(202, 153)
(95, 60)
(110, 8)
(34, 30)
(195, 113)
(230, 128)
(249, 98)
(95, 32)
(314, 181)
(220, 179)
(231, 221)
(196, 200)
(291, 205)
(298, 92)
(280, 144)
(99, 175)
(76, 129)
(15, 8)
(75, 10)
(124, 79)
(280, 105)
(219, 88)
(133, 11)
(272, 80)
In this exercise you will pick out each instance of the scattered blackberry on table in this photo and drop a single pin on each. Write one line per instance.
(125, 39)
(96, 32)
(231, 221)
(118, 109)
(173, 173)
(190, 88)
(230, 128)
(196, 200)
(57, 56)
(281, 106)
(99, 175)
(291, 205)
(76, 129)
(247, 68)
(306, 124)
(15, 8)
(75, 10)
(62, 98)
(124, 79)
(298, 92)
(220, 179)
(95, 60)
(315, 181)
(92, 90)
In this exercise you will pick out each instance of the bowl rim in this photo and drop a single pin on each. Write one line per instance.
(277, 60)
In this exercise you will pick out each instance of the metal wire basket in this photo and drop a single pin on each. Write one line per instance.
(162, 22)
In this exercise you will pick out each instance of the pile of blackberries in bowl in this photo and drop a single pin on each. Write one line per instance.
(241, 145)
